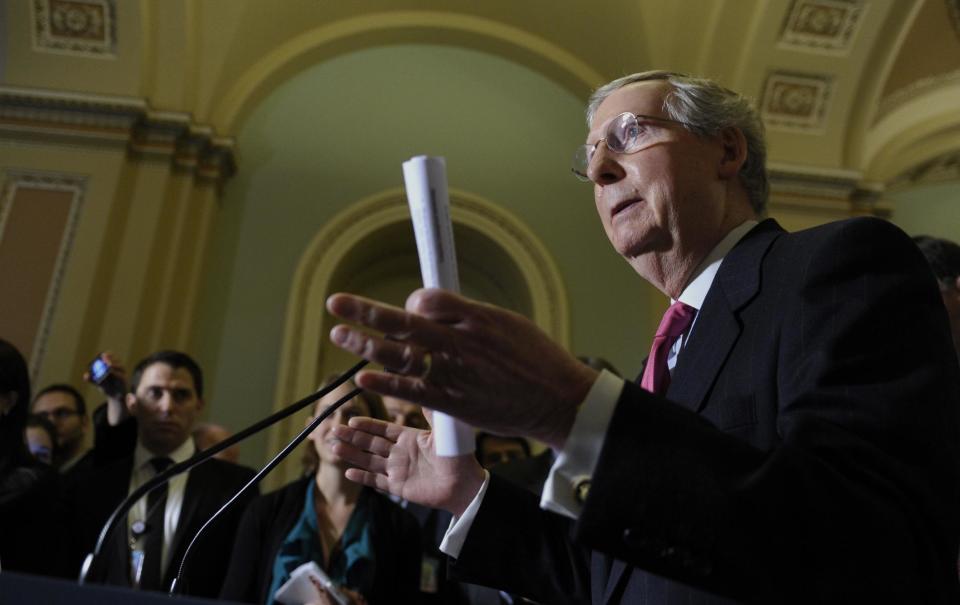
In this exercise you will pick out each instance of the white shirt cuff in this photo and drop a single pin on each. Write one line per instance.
(456, 535)
(568, 481)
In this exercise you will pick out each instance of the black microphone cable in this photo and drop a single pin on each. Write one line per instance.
(124, 507)
(260, 475)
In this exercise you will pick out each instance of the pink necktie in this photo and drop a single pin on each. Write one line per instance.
(656, 376)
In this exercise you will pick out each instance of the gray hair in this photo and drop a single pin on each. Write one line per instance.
(706, 108)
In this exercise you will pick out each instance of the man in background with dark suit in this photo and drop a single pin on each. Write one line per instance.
(66, 410)
(165, 398)
(795, 434)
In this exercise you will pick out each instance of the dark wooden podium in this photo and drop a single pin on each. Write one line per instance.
(23, 589)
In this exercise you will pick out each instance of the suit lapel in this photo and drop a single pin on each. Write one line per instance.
(717, 327)
(700, 361)
(616, 576)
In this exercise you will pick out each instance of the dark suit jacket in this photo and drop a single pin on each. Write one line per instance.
(30, 513)
(208, 487)
(96, 490)
(268, 520)
(529, 473)
(805, 452)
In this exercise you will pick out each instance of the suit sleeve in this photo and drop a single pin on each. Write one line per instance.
(111, 443)
(857, 497)
(515, 546)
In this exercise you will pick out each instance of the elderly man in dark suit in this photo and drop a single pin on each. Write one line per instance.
(795, 434)
(140, 434)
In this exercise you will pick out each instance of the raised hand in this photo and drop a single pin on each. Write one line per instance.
(402, 461)
(488, 366)
(113, 387)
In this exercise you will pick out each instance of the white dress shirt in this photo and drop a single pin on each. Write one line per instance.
(578, 459)
(142, 472)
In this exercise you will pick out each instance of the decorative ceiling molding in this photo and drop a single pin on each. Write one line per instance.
(77, 27)
(916, 89)
(824, 26)
(941, 169)
(954, 7)
(101, 119)
(796, 102)
(822, 191)
(813, 181)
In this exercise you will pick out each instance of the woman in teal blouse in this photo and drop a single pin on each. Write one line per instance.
(365, 543)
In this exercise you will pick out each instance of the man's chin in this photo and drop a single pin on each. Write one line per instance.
(634, 250)
(165, 444)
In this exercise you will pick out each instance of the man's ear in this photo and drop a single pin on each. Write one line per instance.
(131, 402)
(200, 404)
(734, 146)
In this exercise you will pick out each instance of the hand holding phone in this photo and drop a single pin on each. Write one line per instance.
(108, 374)
(99, 370)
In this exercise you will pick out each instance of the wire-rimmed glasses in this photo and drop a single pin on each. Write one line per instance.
(626, 133)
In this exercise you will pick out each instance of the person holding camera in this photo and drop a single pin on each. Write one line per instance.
(139, 434)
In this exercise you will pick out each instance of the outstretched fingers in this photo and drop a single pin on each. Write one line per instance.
(364, 440)
(399, 356)
(410, 388)
(387, 319)
(374, 480)
(359, 458)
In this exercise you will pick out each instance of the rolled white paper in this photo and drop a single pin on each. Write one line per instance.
(425, 178)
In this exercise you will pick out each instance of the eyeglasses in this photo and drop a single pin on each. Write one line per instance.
(57, 414)
(626, 133)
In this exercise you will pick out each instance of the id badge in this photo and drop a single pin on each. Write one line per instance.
(136, 566)
(429, 575)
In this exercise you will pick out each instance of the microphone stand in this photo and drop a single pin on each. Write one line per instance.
(181, 467)
(260, 475)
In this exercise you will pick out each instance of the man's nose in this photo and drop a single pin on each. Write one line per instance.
(605, 167)
(166, 402)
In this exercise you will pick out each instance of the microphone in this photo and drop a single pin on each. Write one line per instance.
(260, 475)
(89, 563)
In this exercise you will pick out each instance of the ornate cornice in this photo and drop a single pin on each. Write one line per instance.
(799, 187)
(114, 120)
(943, 168)
(812, 180)
(916, 89)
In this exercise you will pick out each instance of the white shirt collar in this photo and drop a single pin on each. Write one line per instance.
(696, 290)
(141, 456)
